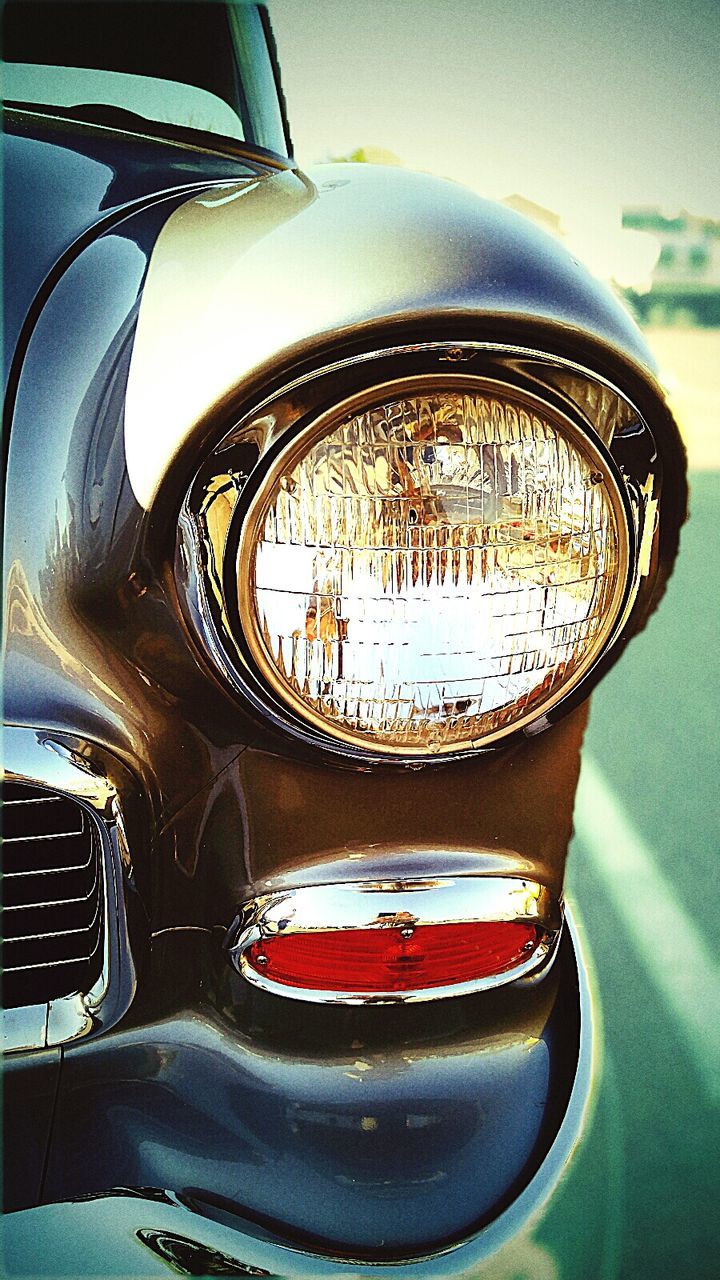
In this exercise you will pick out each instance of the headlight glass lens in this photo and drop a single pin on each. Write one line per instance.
(433, 570)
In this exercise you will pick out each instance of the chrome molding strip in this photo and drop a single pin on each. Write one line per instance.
(403, 904)
(78, 770)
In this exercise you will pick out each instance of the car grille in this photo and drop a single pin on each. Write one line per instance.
(52, 896)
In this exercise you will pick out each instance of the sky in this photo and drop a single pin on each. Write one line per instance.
(581, 106)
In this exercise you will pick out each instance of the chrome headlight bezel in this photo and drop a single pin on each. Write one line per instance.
(242, 465)
(241, 587)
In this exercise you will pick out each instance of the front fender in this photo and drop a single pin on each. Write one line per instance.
(246, 278)
(428, 1148)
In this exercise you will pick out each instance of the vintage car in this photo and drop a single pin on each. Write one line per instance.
(330, 498)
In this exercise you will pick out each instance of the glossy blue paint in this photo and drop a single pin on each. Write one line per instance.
(73, 528)
(26, 1131)
(368, 1138)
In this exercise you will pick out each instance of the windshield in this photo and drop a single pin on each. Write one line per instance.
(198, 65)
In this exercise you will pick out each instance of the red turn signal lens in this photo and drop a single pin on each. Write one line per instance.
(394, 959)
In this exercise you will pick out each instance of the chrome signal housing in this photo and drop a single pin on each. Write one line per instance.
(421, 552)
(393, 941)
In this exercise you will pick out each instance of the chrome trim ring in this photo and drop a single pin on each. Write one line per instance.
(402, 904)
(247, 521)
(231, 474)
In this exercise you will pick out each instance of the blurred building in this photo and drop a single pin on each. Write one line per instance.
(685, 284)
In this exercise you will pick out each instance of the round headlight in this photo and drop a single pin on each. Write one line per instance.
(429, 569)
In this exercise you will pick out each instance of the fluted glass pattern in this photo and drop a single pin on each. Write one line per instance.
(433, 570)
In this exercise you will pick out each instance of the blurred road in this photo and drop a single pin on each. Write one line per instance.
(641, 1201)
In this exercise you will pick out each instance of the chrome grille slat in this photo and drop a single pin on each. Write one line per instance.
(53, 902)
(39, 800)
(84, 958)
(53, 942)
(39, 820)
(61, 953)
(48, 964)
(58, 835)
(45, 855)
(48, 903)
(55, 933)
(49, 871)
